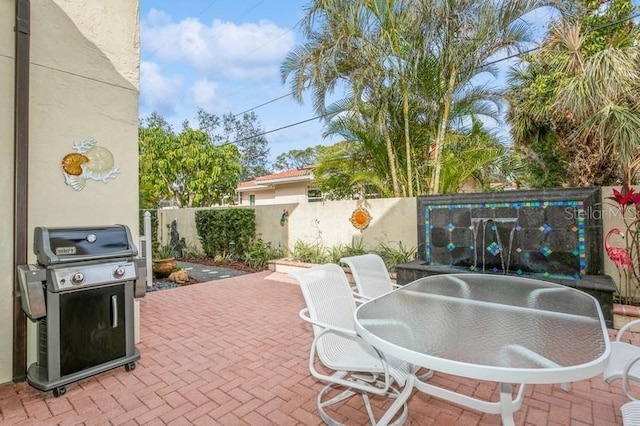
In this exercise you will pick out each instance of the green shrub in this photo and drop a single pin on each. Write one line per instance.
(164, 252)
(309, 252)
(259, 253)
(356, 248)
(191, 251)
(226, 232)
(395, 256)
(333, 254)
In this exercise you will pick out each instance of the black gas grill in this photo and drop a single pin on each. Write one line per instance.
(81, 295)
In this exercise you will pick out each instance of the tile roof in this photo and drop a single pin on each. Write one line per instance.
(246, 184)
(288, 174)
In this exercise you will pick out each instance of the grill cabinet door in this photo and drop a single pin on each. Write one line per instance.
(92, 327)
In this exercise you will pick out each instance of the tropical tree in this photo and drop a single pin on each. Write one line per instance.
(184, 167)
(409, 67)
(577, 98)
(463, 37)
(345, 45)
(298, 158)
(356, 166)
(466, 155)
(246, 133)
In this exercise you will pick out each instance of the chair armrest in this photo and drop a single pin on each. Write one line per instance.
(348, 334)
(337, 378)
(625, 328)
(360, 298)
(304, 314)
(625, 377)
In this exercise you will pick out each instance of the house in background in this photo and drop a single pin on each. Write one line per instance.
(292, 186)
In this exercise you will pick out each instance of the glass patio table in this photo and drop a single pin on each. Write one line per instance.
(505, 329)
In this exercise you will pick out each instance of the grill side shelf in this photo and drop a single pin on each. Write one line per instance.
(31, 282)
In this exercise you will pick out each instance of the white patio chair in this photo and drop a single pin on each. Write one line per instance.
(370, 275)
(631, 413)
(623, 361)
(372, 280)
(358, 367)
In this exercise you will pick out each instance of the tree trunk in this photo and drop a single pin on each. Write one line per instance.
(407, 141)
(442, 129)
(392, 156)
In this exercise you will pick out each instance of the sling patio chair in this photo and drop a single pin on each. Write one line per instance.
(357, 368)
(623, 361)
(370, 275)
(631, 413)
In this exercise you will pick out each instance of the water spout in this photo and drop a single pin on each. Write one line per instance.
(498, 247)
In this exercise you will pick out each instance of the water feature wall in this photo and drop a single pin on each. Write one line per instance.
(549, 233)
(554, 235)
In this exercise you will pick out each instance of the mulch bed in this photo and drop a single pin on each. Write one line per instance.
(165, 284)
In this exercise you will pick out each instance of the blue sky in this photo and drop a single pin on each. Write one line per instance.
(224, 56)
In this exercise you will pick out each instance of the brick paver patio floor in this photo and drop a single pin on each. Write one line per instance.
(234, 352)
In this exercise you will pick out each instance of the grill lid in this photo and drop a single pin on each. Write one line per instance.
(71, 244)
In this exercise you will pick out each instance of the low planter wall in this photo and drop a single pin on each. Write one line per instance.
(624, 314)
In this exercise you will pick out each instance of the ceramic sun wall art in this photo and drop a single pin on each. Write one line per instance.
(89, 161)
(360, 218)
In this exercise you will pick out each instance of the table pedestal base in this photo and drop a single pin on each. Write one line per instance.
(505, 407)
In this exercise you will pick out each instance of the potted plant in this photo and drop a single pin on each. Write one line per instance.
(164, 261)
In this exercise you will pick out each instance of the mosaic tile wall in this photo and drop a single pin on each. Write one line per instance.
(551, 233)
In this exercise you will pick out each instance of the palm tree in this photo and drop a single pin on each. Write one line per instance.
(357, 163)
(463, 36)
(348, 47)
(599, 96)
(397, 55)
(579, 97)
(466, 155)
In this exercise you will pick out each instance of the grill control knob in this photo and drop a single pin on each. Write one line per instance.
(77, 278)
(118, 273)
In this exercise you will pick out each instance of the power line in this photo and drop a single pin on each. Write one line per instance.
(609, 24)
(84, 77)
(533, 49)
(279, 128)
(263, 104)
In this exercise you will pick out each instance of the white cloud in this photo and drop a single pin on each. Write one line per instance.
(247, 51)
(158, 92)
(157, 17)
(204, 96)
(539, 19)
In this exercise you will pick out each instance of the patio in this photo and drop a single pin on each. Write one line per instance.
(234, 352)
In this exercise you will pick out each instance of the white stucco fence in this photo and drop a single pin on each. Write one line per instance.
(393, 220)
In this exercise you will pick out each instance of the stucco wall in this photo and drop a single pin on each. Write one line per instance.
(292, 193)
(78, 93)
(261, 197)
(7, 47)
(394, 220)
(612, 218)
(83, 86)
